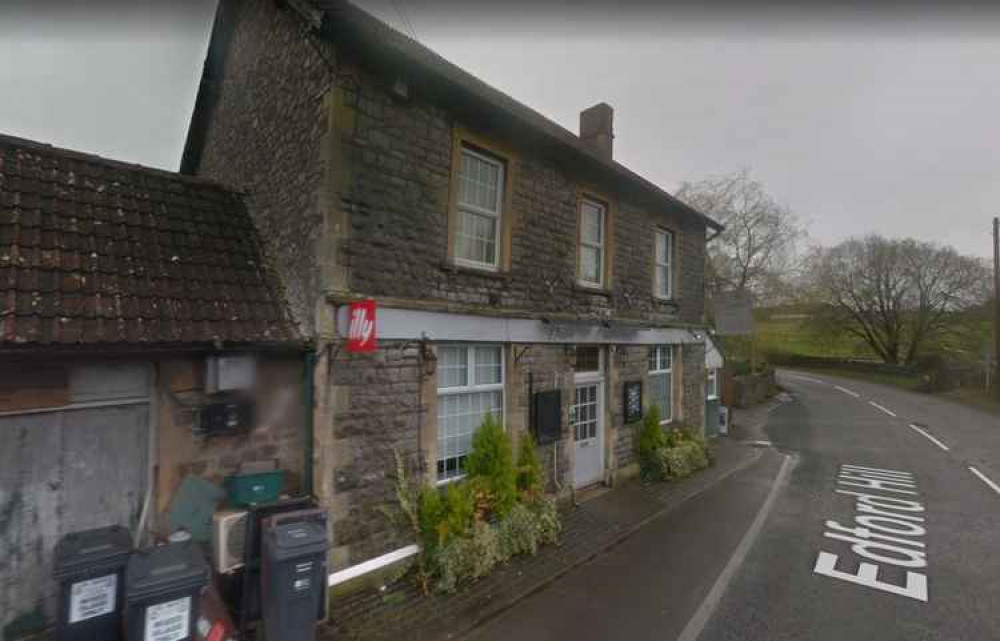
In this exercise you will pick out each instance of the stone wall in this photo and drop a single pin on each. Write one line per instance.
(264, 138)
(398, 199)
(693, 386)
(630, 364)
(379, 407)
(548, 367)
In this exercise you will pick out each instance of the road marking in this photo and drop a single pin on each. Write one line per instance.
(697, 623)
(929, 437)
(847, 391)
(884, 409)
(805, 378)
(985, 479)
(886, 529)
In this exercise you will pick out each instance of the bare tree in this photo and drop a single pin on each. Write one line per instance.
(758, 246)
(896, 295)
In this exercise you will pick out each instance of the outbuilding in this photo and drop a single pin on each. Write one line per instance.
(130, 300)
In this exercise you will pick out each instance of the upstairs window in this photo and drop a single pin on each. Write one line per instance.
(480, 198)
(664, 285)
(593, 224)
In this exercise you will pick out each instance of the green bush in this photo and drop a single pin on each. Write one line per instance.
(519, 532)
(676, 462)
(472, 525)
(469, 557)
(651, 442)
(549, 524)
(670, 454)
(491, 462)
(527, 527)
(529, 469)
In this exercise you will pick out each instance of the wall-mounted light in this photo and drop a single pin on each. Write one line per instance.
(429, 357)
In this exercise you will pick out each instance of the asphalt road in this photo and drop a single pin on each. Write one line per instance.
(752, 558)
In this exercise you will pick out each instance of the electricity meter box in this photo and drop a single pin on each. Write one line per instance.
(294, 578)
(163, 592)
(90, 569)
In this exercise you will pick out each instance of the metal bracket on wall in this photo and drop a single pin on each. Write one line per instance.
(519, 356)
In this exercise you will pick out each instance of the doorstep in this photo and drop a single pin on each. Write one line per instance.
(400, 612)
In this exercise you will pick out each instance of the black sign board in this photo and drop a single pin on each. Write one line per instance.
(548, 416)
(633, 401)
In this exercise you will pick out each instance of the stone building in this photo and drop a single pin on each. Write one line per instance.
(506, 255)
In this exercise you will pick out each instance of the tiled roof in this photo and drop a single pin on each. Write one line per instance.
(94, 251)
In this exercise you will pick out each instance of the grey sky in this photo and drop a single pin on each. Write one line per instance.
(870, 124)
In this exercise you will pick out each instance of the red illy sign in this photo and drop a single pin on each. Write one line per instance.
(361, 326)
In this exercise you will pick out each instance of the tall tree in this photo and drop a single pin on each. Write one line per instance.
(896, 295)
(758, 247)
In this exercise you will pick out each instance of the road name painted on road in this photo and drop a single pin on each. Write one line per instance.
(887, 530)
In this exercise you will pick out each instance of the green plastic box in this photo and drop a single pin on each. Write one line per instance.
(258, 487)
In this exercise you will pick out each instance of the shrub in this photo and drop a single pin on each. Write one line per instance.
(470, 526)
(676, 461)
(549, 524)
(491, 464)
(469, 557)
(697, 455)
(519, 532)
(529, 469)
(414, 515)
(651, 441)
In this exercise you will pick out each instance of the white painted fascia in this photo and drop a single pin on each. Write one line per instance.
(393, 323)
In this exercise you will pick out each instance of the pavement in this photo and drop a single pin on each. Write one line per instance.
(863, 519)
(593, 530)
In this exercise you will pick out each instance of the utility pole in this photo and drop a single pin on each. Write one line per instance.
(996, 305)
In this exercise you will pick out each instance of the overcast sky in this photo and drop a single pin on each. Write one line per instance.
(859, 123)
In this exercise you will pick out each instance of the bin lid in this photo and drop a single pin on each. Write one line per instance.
(164, 569)
(297, 538)
(100, 548)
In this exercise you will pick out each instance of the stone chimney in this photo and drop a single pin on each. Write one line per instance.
(596, 129)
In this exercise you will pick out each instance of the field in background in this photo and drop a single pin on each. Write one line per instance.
(792, 338)
(798, 335)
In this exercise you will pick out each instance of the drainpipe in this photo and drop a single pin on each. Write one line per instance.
(309, 366)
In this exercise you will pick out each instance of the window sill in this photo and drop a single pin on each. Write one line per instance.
(484, 272)
(671, 302)
(596, 290)
(449, 481)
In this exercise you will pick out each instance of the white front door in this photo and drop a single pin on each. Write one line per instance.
(587, 420)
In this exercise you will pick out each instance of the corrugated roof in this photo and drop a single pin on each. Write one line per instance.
(94, 251)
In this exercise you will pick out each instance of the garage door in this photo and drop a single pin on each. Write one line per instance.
(81, 465)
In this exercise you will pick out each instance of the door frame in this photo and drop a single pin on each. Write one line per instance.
(598, 378)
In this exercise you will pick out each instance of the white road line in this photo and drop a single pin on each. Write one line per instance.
(985, 479)
(884, 409)
(847, 391)
(805, 378)
(696, 625)
(929, 437)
